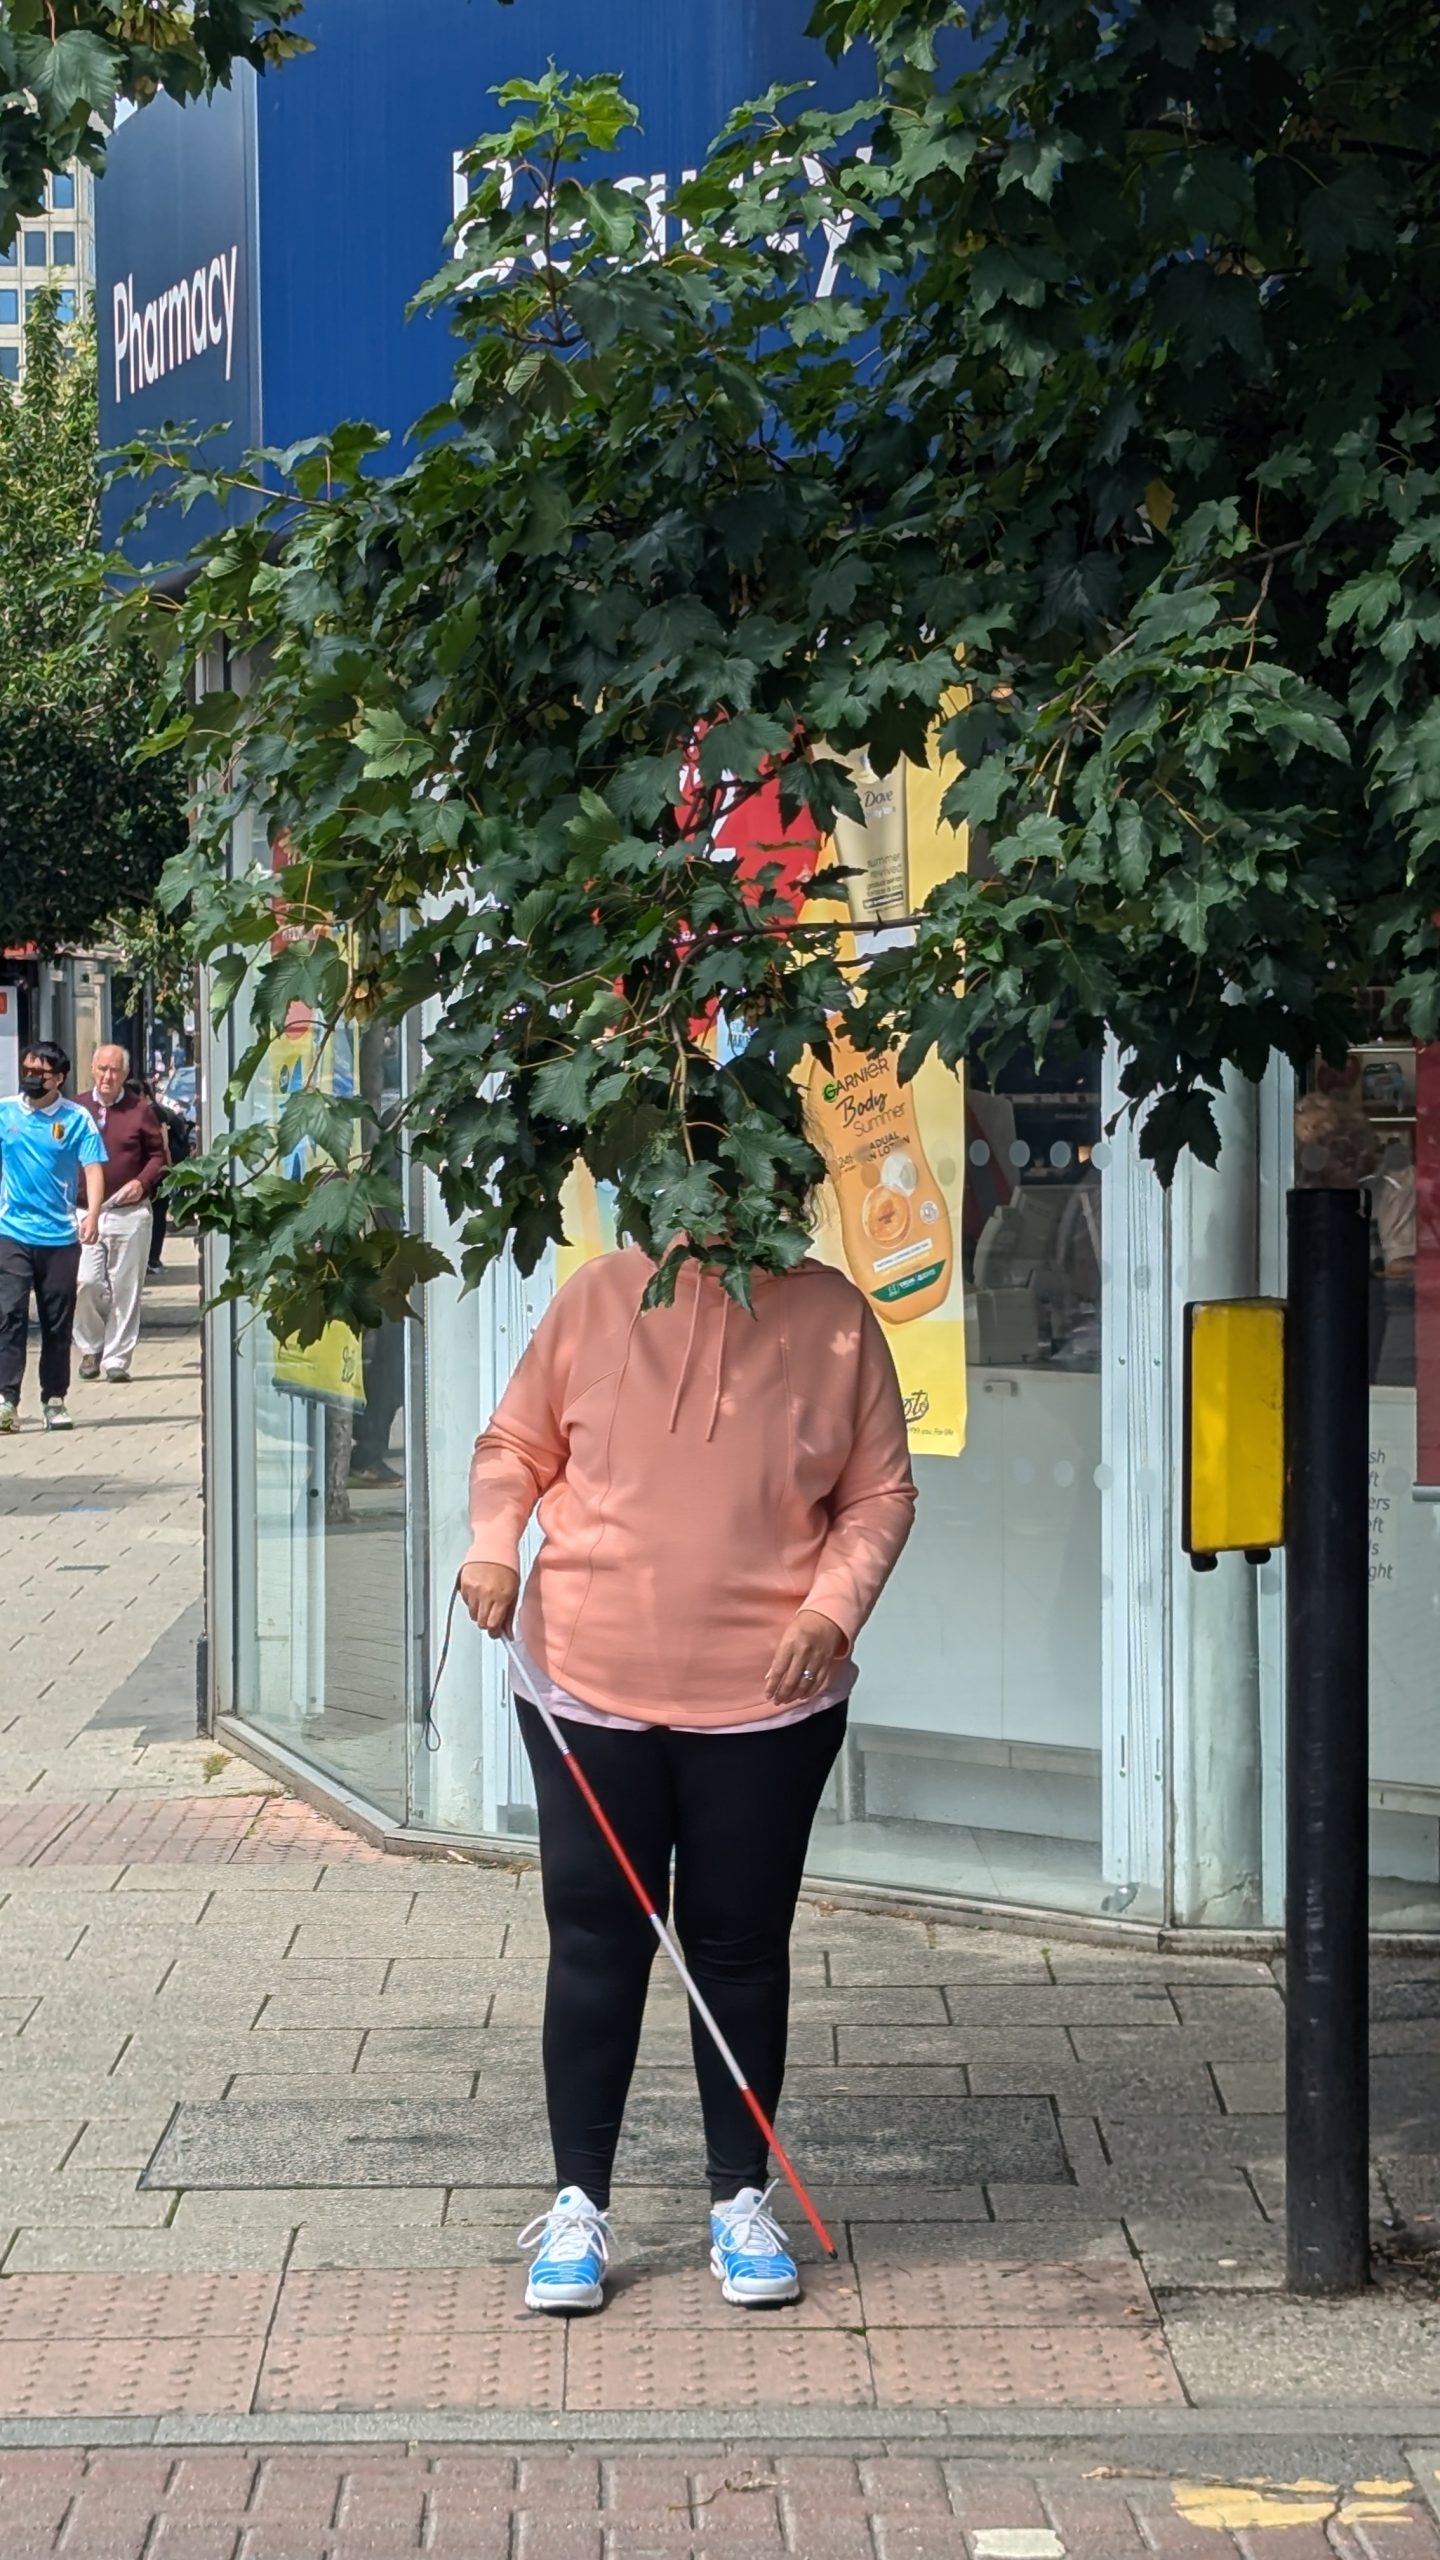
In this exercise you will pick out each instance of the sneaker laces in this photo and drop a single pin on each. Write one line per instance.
(567, 2233)
(752, 2227)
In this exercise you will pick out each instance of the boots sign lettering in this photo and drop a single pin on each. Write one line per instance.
(184, 320)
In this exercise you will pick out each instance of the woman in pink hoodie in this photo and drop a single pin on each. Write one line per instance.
(723, 1496)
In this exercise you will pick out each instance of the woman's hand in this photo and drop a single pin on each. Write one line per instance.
(807, 1651)
(490, 1592)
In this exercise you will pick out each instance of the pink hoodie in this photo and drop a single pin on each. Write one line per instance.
(701, 1475)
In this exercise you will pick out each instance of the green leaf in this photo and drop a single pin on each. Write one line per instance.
(74, 69)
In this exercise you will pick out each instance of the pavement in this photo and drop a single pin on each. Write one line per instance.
(270, 2118)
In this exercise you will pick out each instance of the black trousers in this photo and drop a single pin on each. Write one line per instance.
(384, 1395)
(734, 1811)
(52, 1271)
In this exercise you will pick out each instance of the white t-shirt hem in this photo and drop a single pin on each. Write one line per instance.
(533, 1683)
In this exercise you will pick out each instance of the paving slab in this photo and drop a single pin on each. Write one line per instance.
(388, 2141)
(1030, 2005)
(1004, 2293)
(1236, 2349)
(921, 2243)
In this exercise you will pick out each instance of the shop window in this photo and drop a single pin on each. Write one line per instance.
(1356, 1127)
(320, 1489)
(973, 1762)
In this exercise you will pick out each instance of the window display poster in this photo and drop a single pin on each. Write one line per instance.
(890, 1213)
(308, 1052)
(1427, 1270)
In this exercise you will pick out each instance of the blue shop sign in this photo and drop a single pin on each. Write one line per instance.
(256, 254)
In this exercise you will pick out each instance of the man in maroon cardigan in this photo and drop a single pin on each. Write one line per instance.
(112, 1270)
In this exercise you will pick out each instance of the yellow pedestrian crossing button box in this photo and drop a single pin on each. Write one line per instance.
(1233, 1498)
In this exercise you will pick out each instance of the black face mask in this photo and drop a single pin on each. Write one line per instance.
(33, 1085)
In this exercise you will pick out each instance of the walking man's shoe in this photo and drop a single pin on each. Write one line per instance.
(118, 1377)
(57, 1417)
(90, 1365)
(9, 1418)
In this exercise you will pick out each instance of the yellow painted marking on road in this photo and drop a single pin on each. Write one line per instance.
(1239, 2508)
(1243, 2506)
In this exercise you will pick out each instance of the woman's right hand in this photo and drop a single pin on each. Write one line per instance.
(490, 1592)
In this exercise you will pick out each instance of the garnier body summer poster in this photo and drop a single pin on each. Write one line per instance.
(890, 1213)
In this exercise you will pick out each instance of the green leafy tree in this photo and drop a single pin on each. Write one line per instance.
(65, 66)
(83, 827)
(1122, 407)
(153, 953)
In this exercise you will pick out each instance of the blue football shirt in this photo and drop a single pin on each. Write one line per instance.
(41, 1153)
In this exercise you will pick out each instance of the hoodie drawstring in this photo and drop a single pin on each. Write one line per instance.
(690, 1339)
(689, 1354)
(719, 1365)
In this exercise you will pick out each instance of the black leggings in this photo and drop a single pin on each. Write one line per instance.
(735, 1811)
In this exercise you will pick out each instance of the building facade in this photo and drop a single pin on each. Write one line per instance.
(67, 996)
(54, 246)
(1056, 1713)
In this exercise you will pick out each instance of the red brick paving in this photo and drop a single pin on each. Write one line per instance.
(145, 1831)
(177, 1831)
(28, 1829)
(327, 2503)
(291, 1833)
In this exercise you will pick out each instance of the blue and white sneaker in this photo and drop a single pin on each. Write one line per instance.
(748, 2252)
(572, 2245)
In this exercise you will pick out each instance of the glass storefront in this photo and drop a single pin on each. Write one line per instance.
(1358, 1124)
(974, 1754)
(317, 1543)
(1054, 1713)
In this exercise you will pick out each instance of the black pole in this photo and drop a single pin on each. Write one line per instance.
(1327, 2093)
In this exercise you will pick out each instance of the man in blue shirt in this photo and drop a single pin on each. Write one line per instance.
(48, 1148)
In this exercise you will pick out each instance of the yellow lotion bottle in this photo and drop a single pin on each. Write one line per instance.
(893, 1219)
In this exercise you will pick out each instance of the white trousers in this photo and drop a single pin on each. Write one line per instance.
(112, 1275)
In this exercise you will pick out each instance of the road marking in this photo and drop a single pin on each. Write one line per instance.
(1006, 2542)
